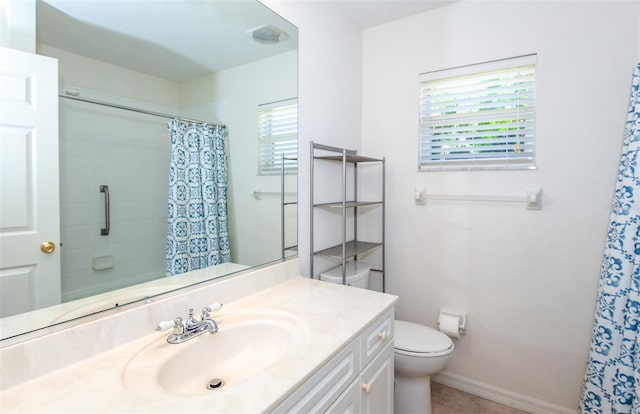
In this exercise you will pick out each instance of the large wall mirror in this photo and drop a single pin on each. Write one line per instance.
(125, 69)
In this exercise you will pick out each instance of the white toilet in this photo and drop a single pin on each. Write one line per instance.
(419, 352)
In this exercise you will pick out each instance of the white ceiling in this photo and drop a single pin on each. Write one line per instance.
(196, 36)
(172, 39)
(369, 13)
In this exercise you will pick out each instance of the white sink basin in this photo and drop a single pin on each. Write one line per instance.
(247, 343)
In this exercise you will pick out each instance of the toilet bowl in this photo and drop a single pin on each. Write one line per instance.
(419, 352)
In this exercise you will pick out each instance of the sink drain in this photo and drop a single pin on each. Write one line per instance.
(215, 384)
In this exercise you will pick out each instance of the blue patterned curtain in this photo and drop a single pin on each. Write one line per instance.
(612, 380)
(197, 235)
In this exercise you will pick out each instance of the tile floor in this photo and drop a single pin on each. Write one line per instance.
(447, 400)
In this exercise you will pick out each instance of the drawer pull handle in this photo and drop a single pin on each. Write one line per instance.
(366, 388)
(383, 335)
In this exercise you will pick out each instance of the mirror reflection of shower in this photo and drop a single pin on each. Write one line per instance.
(129, 151)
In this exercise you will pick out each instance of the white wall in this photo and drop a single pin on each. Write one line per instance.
(18, 24)
(121, 83)
(527, 279)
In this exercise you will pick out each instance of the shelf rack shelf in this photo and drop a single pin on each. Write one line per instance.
(349, 204)
(347, 249)
(351, 248)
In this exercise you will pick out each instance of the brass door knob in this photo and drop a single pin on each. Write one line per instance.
(48, 247)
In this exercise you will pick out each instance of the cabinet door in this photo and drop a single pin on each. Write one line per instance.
(325, 386)
(376, 383)
(349, 402)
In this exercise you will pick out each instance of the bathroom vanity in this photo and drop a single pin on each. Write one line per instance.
(285, 344)
(357, 380)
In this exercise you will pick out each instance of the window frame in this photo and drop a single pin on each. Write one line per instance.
(517, 120)
(270, 157)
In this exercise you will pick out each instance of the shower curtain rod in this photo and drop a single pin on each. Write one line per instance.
(132, 109)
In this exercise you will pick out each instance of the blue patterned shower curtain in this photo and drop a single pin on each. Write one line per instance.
(612, 380)
(197, 235)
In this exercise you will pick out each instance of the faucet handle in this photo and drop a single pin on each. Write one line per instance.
(211, 308)
(164, 325)
(215, 307)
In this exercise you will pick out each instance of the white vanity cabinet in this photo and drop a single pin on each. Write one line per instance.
(359, 379)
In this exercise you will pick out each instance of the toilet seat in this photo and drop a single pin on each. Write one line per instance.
(423, 354)
(420, 341)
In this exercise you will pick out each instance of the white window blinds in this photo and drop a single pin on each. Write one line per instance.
(479, 116)
(278, 137)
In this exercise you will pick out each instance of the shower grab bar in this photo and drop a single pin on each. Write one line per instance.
(107, 214)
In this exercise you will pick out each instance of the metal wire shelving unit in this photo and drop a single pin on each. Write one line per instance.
(352, 248)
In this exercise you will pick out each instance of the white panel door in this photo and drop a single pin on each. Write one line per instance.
(29, 199)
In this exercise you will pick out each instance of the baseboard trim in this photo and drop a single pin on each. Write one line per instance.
(499, 395)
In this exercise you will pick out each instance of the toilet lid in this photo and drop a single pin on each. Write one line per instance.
(417, 338)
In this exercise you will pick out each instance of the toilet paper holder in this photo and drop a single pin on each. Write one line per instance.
(462, 319)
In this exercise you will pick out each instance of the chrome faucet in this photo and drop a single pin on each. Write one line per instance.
(183, 331)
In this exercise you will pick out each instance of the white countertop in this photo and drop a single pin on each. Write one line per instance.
(333, 315)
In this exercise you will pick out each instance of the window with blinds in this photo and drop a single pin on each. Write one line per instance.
(278, 137)
(479, 116)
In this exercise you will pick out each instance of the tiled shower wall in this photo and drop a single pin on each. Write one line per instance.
(130, 153)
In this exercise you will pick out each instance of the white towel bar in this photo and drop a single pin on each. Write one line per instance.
(533, 198)
(258, 194)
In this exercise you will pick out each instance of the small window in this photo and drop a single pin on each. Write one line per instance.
(278, 137)
(479, 116)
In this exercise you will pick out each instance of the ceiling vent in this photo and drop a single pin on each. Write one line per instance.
(267, 34)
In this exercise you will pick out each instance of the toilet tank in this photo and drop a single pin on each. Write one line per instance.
(357, 274)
